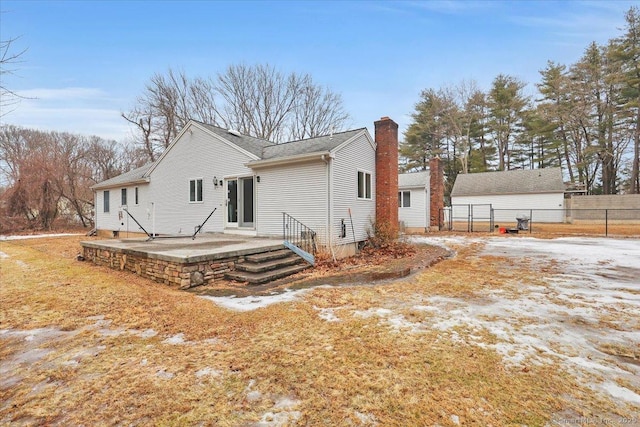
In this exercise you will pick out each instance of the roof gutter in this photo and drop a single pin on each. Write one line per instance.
(319, 155)
(120, 184)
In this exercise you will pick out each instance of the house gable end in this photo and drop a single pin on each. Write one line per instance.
(199, 126)
(354, 138)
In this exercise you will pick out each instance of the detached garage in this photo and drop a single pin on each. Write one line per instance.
(512, 193)
(413, 201)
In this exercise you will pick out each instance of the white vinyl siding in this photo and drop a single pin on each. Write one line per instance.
(416, 215)
(115, 218)
(201, 156)
(358, 156)
(299, 189)
(514, 204)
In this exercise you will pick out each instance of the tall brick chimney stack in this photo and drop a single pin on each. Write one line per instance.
(386, 136)
(436, 192)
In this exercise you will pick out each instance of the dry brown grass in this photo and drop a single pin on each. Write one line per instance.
(100, 369)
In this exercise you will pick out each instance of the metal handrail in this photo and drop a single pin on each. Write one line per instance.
(298, 234)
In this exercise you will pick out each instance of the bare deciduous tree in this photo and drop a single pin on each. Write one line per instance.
(8, 60)
(50, 173)
(257, 100)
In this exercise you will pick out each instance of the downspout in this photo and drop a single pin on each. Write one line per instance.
(327, 160)
(95, 211)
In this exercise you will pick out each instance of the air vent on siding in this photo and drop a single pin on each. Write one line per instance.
(234, 132)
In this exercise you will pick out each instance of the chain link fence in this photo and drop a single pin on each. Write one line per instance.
(485, 218)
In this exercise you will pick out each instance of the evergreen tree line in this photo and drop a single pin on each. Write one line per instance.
(585, 119)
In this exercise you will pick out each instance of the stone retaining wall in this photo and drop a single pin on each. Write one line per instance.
(163, 271)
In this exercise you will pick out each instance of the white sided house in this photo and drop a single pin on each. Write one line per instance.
(413, 201)
(248, 186)
(536, 193)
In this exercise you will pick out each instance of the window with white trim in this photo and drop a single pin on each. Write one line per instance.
(135, 195)
(364, 185)
(195, 190)
(123, 197)
(404, 199)
(105, 199)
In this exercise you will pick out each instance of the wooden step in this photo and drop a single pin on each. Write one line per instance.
(266, 276)
(268, 256)
(253, 267)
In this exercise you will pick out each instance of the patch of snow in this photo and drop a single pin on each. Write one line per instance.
(366, 419)
(39, 236)
(591, 300)
(89, 352)
(111, 332)
(177, 339)
(3, 255)
(286, 403)
(147, 333)
(621, 392)
(254, 302)
(380, 312)
(327, 314)
(254, 396)
(208, 372)
(271, 419)
(396, 321)
(164, 374)
(455, 419)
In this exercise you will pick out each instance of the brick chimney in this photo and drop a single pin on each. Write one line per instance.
(436, 192)
(386, 136)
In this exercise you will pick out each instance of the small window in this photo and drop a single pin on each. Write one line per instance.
(404, 199)
(364, 185)
(123, 197)
(106, 200)
(195, 190)
(135, 195)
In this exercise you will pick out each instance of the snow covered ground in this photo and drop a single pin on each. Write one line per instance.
(585, 315)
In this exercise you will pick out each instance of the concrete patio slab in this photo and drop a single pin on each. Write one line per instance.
(185, 250)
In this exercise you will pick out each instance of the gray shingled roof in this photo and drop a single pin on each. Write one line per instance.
(248, 143)
(413, 179)
(525, 181)
(256, 146)
(311, 145)
(126, 178)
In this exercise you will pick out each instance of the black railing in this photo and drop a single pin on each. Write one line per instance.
(150, 237)
(298, 234)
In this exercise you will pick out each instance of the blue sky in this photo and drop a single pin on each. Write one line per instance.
(88, 61)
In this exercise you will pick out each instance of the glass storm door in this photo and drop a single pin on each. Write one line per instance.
(240, 202)
(245, 202)
(232, 202)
